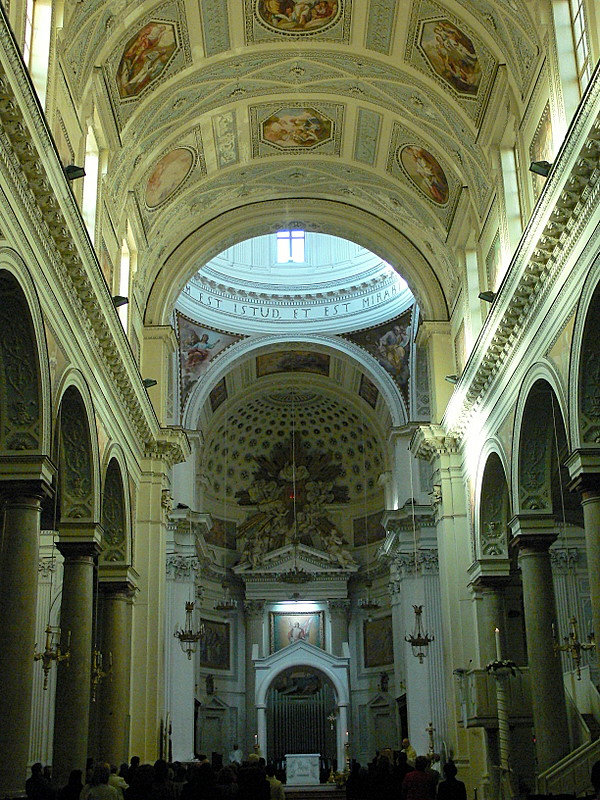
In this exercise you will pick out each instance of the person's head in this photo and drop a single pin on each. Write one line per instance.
(253, 759)
(226, 776)
(135, 761)
(270, 770)
(401, 758)
(75, 778)
(405, 743)
(236, 746)
(421, 763)
(161, 770)
(450, 769)
(37, 768)
(100, 774)
(594, 777)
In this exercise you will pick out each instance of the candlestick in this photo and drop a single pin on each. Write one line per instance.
(498, 645)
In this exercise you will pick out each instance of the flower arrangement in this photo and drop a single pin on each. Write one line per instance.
(504, 665)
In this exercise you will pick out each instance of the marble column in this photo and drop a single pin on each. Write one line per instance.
(533, 534)
(71, 723)
(18, 594)
(584, 468)
(254, 636)
(261, 729)
(113, 708)
(489, 597)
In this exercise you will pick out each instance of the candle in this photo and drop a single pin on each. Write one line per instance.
(256, 738)
(498, 645)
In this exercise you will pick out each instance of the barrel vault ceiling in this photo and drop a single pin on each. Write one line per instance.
(388, 109)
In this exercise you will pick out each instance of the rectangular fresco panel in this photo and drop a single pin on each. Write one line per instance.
(390, 345)
(368, 391)
(214, 645)
(292, 361)
(222, 533)
(368, 529)
(378, 642)
(218, 395)
(287, 629)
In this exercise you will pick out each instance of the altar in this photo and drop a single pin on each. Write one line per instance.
(302, 769)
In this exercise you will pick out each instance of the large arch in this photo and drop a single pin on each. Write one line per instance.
(541, 413)
(116, 515)
(492, 506)
(322, 216)
(223, 363)
(25, 406)
(78, 456)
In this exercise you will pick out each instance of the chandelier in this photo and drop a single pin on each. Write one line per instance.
(188, 638)
(227, 603)
(52, 651)
(368, 603)
(419, 640)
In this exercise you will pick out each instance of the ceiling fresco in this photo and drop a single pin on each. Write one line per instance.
(380, 106)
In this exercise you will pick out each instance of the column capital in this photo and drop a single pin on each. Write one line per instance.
(340, 607)
(584, 469)
(489, 574)
(432, 441)
(533, 532)
(122, 581)
(26, 475)
(78, 550)
(77, 531)
(254, 608)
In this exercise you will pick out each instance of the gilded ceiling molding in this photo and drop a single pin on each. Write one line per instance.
(38, 178)
(568, 201)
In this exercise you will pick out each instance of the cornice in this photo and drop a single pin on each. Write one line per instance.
(568, 200)
(55, 221)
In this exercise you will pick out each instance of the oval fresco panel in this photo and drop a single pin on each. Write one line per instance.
(145, 58)
(297, 127)
(425, 172)
(168, 175)
(452, 55)
(298, 16)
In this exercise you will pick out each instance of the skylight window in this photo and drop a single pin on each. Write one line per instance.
(290, 247)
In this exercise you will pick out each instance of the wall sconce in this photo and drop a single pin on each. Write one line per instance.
(540, 168)
(73, 172)
(489, 297)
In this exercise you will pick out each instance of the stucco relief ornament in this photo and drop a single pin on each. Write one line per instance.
(291, 490)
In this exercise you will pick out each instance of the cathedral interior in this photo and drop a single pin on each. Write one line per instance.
(300, 384)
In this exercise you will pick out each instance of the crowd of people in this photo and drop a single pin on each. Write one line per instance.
(403, 775)
(392, 775)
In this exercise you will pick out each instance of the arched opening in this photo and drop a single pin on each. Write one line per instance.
(301, 714)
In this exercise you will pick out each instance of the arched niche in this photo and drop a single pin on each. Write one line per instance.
(321, 216)
(494, 511)
(77, 459)
(21, 396)
(543, 447)
(588, 378)
(115, 537)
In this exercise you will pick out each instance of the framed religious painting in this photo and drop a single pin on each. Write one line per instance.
(214, 645)
(287, 629)
(378, 642)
